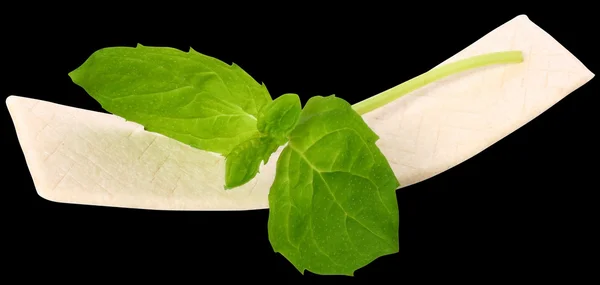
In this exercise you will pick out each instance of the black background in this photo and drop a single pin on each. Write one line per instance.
(520, 209)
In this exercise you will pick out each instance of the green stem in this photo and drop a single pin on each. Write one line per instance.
(437, 73)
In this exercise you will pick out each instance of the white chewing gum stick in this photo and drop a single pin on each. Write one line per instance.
(84, 157)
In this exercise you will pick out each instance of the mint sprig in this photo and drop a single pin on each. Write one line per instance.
(332, 204)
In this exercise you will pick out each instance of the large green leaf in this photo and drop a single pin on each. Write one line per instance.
(333, 205)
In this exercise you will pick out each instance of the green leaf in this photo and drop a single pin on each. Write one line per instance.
(278, 118)
(242, 164)
(333, 205)
(275, 122)
(187, 96)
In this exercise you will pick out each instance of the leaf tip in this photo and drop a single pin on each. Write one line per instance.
(76, 75)
(231, 183)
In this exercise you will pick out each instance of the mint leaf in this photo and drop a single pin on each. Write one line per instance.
(187, 96)
(278, 118)
(332, 206)
(275, 121)
(242, 164)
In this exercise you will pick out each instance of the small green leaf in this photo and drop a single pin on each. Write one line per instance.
(333, 205)
(275, 122)
(242, 164)
(278, 118)
(187, 96)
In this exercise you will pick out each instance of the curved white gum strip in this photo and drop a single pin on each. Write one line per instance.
(84, 157)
